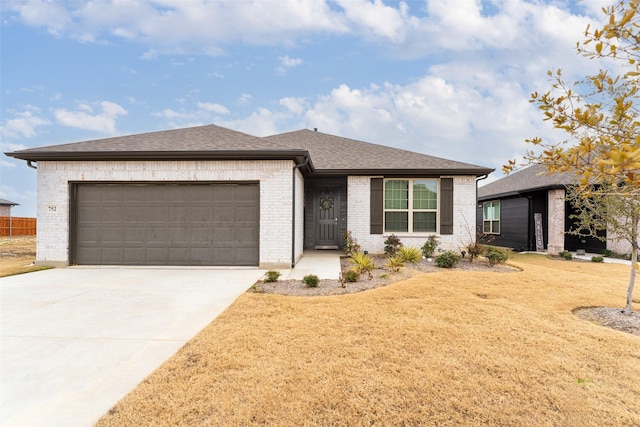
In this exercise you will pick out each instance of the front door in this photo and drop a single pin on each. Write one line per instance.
(327, 211)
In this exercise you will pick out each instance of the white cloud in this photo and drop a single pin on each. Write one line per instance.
(25, 124)
(51, 15)
(192, 25)
(376, 19)
(245, 98)
(286, 63)
(103, 122)
(295, 105)
(213, 107)
(6, 164)
(8, 146)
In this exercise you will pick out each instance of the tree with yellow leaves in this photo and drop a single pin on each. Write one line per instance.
(600, 115)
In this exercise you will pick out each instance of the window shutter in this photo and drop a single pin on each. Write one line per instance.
(446, 206)
(376, 206)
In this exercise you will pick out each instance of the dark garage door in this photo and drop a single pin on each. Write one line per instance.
(167, 224)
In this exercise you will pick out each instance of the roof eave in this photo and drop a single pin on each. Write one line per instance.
(298, 156)
(403, 172)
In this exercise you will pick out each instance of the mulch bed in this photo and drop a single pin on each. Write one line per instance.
(379, 277)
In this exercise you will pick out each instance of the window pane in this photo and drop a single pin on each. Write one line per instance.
(495, 226)
(486, 213)
(425, 194)
(396, 221)
(424, 221)
(486, 228)
(496, 210)
(396, 194)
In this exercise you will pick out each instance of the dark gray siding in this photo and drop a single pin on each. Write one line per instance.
(514, 214)
(573, 242)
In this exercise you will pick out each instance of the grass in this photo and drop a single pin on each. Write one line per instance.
(17, 255)
(446, 348)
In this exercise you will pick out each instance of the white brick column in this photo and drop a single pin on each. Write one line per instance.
(556, 221)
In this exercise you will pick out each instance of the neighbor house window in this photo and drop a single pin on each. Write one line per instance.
(410, 205)
(491, 217)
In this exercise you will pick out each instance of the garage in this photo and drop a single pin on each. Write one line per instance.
(192, 224)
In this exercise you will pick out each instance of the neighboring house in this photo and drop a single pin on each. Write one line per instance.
(5, 207)
(507, 210)
(212, 196)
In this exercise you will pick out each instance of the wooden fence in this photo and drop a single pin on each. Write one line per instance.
(17, 226)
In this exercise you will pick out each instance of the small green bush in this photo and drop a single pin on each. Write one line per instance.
(351, 276)
(363, 263)
(496, 255)
(597, 259)
(392, 244)
(430, 246)
(394, 263)
(566, 255)
(311, 280)
(607, 253)
(447, 259)
(409, 255)
(272, 276)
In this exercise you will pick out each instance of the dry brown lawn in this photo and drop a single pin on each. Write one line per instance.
(17, 255)
(464, 348)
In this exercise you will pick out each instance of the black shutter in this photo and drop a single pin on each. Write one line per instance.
(377, 203)
(446, 205)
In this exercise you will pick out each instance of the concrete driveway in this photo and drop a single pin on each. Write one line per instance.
(74, 341)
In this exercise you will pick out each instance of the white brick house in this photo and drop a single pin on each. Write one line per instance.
(213, 196)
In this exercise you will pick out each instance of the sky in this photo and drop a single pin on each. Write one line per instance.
(447, 78)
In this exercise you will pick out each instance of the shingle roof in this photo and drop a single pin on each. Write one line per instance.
(200, 138)
(5, 202)
(333, 154)
(534, 177)
(328, 153)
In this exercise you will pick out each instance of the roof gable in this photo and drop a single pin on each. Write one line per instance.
(335, 154)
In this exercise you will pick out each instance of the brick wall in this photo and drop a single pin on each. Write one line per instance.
(275, 198)
(464, 220)
(556, 215)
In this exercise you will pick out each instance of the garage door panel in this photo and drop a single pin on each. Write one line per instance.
(167, 224)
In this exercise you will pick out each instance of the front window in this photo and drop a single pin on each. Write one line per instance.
(491, 217)
(410, 205)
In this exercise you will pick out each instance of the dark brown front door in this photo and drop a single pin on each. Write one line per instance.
(327, 210)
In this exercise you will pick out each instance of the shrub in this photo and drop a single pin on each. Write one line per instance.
(272, 276)
(410, 255)
(351, 276)
(311, 280)
(430, 246)
(394, 263)
(474, 250)
(350, 244)
(447, 259)
(607, 253)
(363, 263)
(566, 255)
(597, 259)
(496, 255)
(392, 244)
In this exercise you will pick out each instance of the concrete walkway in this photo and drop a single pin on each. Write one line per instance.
(323, 263)
(74, 341)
